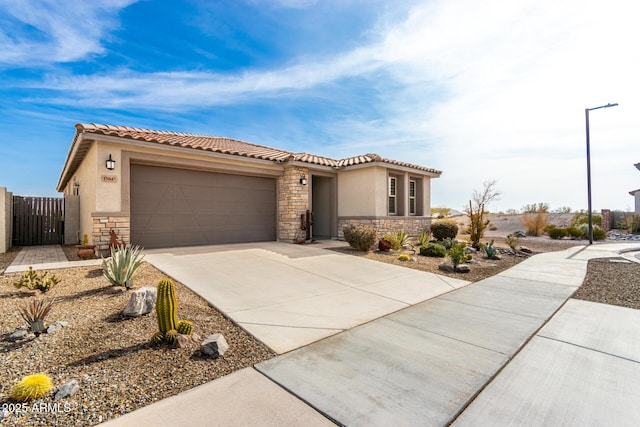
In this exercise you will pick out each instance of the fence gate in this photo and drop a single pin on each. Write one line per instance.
(38, 221)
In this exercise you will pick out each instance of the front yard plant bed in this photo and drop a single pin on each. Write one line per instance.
(111, 356)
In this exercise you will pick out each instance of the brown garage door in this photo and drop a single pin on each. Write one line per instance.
(178, 207)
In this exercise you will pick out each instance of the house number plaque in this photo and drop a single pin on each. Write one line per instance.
(109, 178)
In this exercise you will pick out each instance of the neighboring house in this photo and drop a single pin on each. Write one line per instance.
(636, 194)
(176, 189)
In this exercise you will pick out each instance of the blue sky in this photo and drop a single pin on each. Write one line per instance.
(492, 90)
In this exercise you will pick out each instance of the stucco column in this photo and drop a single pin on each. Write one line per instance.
(293, 201)
(6, 215)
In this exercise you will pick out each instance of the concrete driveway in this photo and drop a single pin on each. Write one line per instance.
(288, 295)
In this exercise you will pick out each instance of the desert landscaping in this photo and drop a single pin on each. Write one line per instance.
(118, 369)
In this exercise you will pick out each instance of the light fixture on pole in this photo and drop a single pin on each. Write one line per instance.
(111, 164)
(586, 113)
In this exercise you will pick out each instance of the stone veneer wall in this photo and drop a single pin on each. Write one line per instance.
(103, 223)
(293, 200)
(412, 225)
(607, 220)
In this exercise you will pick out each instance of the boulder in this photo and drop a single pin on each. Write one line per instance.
(384, 245)
(470, 250)
(446, 266)
(67, 390)
(525, 250)
(214, 345)
(141, 302)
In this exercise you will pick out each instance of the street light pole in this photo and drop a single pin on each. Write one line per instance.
(586, 113)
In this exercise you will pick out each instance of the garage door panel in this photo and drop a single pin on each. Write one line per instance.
(175, 207)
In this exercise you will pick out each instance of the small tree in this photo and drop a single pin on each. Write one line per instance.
(477, 214)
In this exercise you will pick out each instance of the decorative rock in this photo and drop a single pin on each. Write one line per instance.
(384, 245)
(519, 234)
(449, 268)
(67, 390)
(445, 266)
(214, 345)
(56, 325)
(525, 250)
(141, 302)
(183, 341)
(470, 250)
(463, 268)
(18, 335)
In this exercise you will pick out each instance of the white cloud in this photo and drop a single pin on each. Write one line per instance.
(483, 90)
(62, 31)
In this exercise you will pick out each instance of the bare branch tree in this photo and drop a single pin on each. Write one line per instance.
(477, 212)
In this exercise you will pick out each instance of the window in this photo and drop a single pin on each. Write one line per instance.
(393, 186)
(412, 197)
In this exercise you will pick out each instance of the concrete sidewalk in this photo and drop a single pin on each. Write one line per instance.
(425, 364)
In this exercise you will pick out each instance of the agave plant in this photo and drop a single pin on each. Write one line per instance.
(121, 267)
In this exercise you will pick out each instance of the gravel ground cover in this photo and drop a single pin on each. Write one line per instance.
(480, 267)
(613, 281)
(108, 354)
(120, 371)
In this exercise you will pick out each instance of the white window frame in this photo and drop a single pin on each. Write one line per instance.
(413, 207)
(392, 195)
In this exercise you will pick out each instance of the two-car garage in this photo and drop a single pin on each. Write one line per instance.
(180, 207)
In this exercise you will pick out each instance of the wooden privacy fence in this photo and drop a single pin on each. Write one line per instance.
(38, 221)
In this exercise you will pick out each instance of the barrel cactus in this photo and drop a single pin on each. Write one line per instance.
(185, 327)
(31, 387)
(157, 338)
(170, 336)
(167, 314)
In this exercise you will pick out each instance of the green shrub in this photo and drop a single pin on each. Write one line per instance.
(395, 243)
(557, 233)
(360, 237)
(448, 243)
(123, 264)
(433, 250)
(582, 217)
(443, 229)
(574, 232)
(457, 255)
(599, 233)
(512, 241)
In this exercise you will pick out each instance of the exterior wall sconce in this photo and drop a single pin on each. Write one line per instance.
(111, 164)
(76, 188)
(303, 179)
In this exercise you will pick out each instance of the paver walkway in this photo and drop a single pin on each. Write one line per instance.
(45, 257)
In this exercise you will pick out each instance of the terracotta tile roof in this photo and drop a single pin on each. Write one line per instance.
(187, 140)
(215, 144)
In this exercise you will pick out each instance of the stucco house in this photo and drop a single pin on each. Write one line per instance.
(163, 189)
(636, 194)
